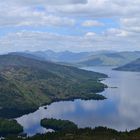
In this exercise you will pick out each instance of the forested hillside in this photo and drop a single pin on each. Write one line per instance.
(26, 84)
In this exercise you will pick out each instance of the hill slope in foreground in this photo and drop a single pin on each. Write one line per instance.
(26, 84)
(133, 66)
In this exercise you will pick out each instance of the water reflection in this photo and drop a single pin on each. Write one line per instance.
(120, 111)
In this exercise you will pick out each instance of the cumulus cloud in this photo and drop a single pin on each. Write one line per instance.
(117, 32)
(67, 14)
(49, 20)
(26, 12)
(131, 24)
(24, 16)
(90, 23)
(26, 40)
(103, 8)
(90, 34)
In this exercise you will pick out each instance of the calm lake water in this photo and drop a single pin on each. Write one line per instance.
(121, 109)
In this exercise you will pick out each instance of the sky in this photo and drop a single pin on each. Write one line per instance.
(74, 25)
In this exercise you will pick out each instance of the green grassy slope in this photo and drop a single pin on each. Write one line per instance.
(26, 84)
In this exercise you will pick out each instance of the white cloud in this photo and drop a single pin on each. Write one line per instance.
(131, 24)
(90, 34)
(49, 20)
(66, 13)
(24, 16)
(102, 8)
(26, 40)
(117, 32)
(45, 2)
(90, 23)
(26, 12)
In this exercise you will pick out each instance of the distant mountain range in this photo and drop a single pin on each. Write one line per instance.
(27, 83)
(132, 66)
(110, 59)
(98, 58)
(65, 56)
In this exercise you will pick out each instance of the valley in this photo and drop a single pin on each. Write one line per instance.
(69, 70)
(55, 85)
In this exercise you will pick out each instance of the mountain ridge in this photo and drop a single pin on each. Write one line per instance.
(97, 58)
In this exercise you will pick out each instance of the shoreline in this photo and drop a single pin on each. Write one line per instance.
(8, 113)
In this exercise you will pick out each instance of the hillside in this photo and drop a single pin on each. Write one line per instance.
(26, 84)
(110, 59)
(133, 66)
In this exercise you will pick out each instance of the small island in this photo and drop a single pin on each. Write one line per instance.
(58, 125)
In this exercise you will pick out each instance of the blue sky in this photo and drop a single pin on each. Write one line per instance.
(78, 29)
(75, 25)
